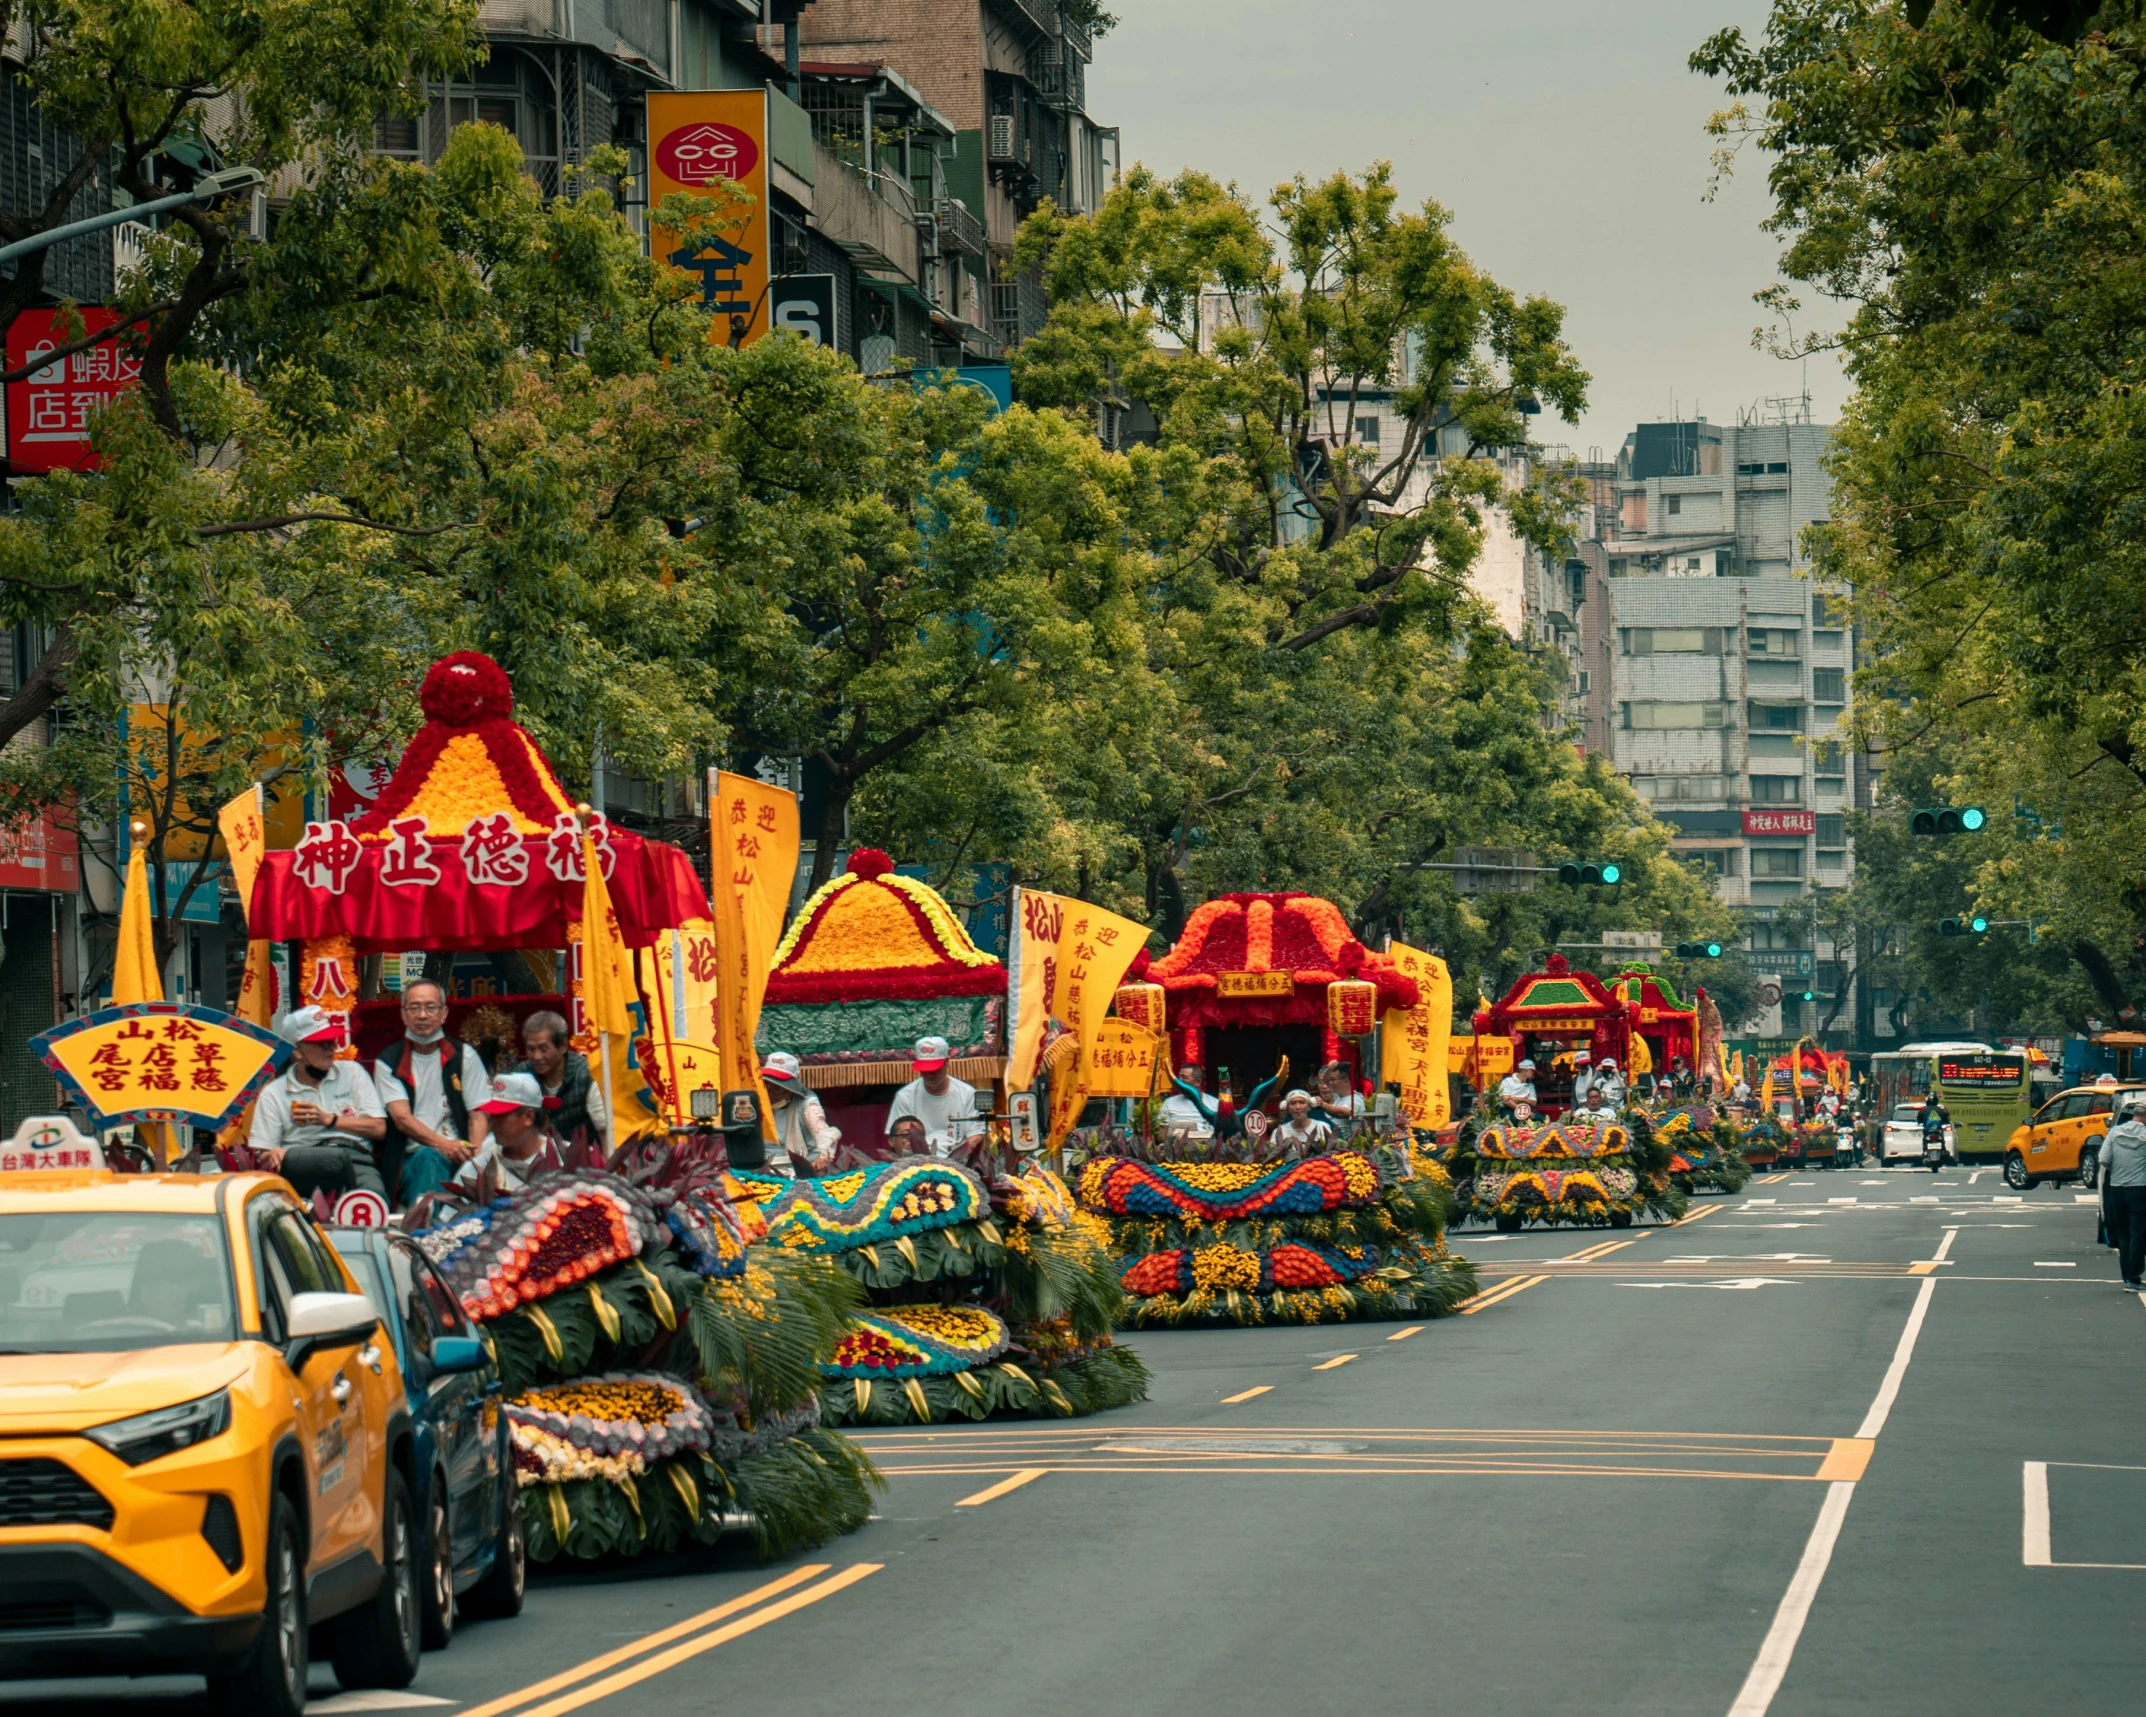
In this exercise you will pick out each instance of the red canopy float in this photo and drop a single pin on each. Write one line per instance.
(1552, 1014)
(1657, 1013)
(1262, 964)
(472, 844)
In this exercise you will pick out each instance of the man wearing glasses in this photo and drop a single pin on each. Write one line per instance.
(433, 1089)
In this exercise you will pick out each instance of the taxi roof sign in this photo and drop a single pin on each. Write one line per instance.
(47, 1142)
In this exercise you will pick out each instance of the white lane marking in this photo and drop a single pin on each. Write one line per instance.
(1870, 1183)
(1762, 1201)
(1735, 1284)
(2046, 1264)
(2007, 1198)
(1764, 1681)
(1779, 1647)
(372, 1699)
(1930, 1198)
(1840, 1201)
(1977, 1175)
(2086, 1198)
(2034, 1515)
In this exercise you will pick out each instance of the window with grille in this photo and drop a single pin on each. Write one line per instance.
(1829, 685)
(1777, 789)
(1776, 861)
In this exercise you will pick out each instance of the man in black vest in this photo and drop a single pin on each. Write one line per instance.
(573, 1103)
(433, 1089)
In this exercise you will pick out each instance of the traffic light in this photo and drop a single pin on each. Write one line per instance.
(1698, 950)
(1810, 995)
(1572, 873)
(1947, 820)
(1975, 926)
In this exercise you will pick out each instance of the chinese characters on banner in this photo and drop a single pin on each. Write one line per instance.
(49, 411)
(752, 846)
(1124, 1060)
(1412, 1044)
(704, 140)
(245, 832)
(1073, 974)
(161, 1060)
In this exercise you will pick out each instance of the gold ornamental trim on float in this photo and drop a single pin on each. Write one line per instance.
(1255, 984)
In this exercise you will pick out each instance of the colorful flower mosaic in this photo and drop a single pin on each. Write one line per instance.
(1597, 1184)
(555, 1232)
(1223, 1192)
(1294, 1264)
(918, 1341)
(604, 1427)
(835, 1213)
(1038, 1197)
(1558, 1139)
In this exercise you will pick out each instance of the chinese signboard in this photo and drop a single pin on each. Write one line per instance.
(46, 1142)
(161, 1061)
(1255, 984)
(1121, 1061)
(1414, 1050)
(701, 141)
(39, 853)
(49, 411)
(1780, 822)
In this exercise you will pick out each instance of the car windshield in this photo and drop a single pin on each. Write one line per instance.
(110, 1281)
(1908, 1112)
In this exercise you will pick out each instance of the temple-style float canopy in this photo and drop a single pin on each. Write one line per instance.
(472, 844)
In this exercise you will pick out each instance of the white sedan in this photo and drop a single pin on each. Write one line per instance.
(1903, 1136)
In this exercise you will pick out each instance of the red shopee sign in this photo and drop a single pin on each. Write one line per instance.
(49, 411)
(1780, 822)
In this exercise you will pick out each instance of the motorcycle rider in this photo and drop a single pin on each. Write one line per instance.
(1935, 1119)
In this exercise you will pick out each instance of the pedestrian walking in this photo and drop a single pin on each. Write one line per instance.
(2123, 1158)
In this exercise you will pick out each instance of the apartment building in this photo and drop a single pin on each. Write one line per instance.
(1718, 676)
(1010, 76)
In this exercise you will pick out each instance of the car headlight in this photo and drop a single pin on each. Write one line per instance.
(166, 1431)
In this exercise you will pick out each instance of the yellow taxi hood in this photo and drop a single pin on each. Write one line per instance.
(73, 1391)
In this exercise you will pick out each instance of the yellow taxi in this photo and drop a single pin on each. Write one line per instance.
(2062, 1139)
(204, 1443)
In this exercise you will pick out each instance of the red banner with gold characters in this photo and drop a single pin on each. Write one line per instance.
(161, 1061)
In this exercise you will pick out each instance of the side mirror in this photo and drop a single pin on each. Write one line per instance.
(331, 1317)
(458, 1353)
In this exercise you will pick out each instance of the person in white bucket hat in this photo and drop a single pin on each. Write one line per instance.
(317, 1121)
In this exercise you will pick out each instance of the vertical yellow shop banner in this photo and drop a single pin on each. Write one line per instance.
(700, 142)
(1412, 1047)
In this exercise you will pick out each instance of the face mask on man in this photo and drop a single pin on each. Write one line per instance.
(424, 1039)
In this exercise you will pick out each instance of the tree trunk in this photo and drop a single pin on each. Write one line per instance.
(44, 687)
(2102, 975)
(827, 841)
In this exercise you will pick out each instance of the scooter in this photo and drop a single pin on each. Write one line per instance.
(1933, 1150)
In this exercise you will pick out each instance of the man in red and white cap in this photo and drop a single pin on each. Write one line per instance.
(804, 1141)
(946, 1105)
(317, 1122)
(520, 1142)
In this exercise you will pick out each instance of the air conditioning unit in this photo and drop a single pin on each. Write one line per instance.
(1002, 138)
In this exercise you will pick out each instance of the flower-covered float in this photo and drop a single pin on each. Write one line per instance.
(1256, 977)
(662, 1374)
(1231, 1239)
(1569, 1171)
(872, 962)
(1705, 1150)
(989, 1293)
(1552, 1015)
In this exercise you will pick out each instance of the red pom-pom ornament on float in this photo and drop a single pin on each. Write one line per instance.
(870, 863)
(1141, 1005)
(1352, 1007)
(465, 688)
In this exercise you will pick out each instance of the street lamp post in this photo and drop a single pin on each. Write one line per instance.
(210, 187)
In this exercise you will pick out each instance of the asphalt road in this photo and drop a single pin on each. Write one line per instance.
(1695, 1469)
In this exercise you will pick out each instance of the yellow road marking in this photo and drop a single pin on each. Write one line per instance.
(1403, 1335)
(705, 1642)
(1693, 1217)
(1338, 1359)
(582, 1671)
(1027, 1475)
(1483, 1302)
(1594, 1252)
(1847, 1458)
(1247, 1394)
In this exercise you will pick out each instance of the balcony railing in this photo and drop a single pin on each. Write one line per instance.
(960, 233)
(871, 216)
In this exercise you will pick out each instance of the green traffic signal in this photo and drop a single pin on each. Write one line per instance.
(1612, 874)
(1698, 950)
(1947, 820)
(1979, 925)
(1572, 873)
(1972, 818)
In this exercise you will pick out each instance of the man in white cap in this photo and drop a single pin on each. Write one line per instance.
(520, 1143)
(1611, 1082)
(1517, 1087)
(946, 1105)
(804, 1142)
(1301, 1133)
(317, 1122)
(1582, 1074)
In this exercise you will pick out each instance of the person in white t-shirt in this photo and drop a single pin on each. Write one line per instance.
(946, 1105)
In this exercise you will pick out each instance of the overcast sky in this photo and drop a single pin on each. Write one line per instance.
(1565, 135)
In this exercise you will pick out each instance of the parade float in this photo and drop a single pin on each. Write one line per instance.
(661, 1372)
(1232, 1229)
(1656, 1015)
(1256, 978)
(1550, 1016)
(1589, 1174)
(987, 1294)
(873, 962)
(1705, 1153)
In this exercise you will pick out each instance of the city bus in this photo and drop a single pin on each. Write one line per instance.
(1986, 1090)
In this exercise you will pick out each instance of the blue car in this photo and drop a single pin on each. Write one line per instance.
(465, 1463)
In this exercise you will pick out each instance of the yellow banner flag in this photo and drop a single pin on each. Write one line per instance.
(245, 833)
(135, 974)
(606, 992)
(1642, 1057)
(1766, 1090)
(1412, 1041)
(678, 978)
(756, 826)
(1094, 950)
(1125, 1061)
(1032, 968)
(745, 936)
